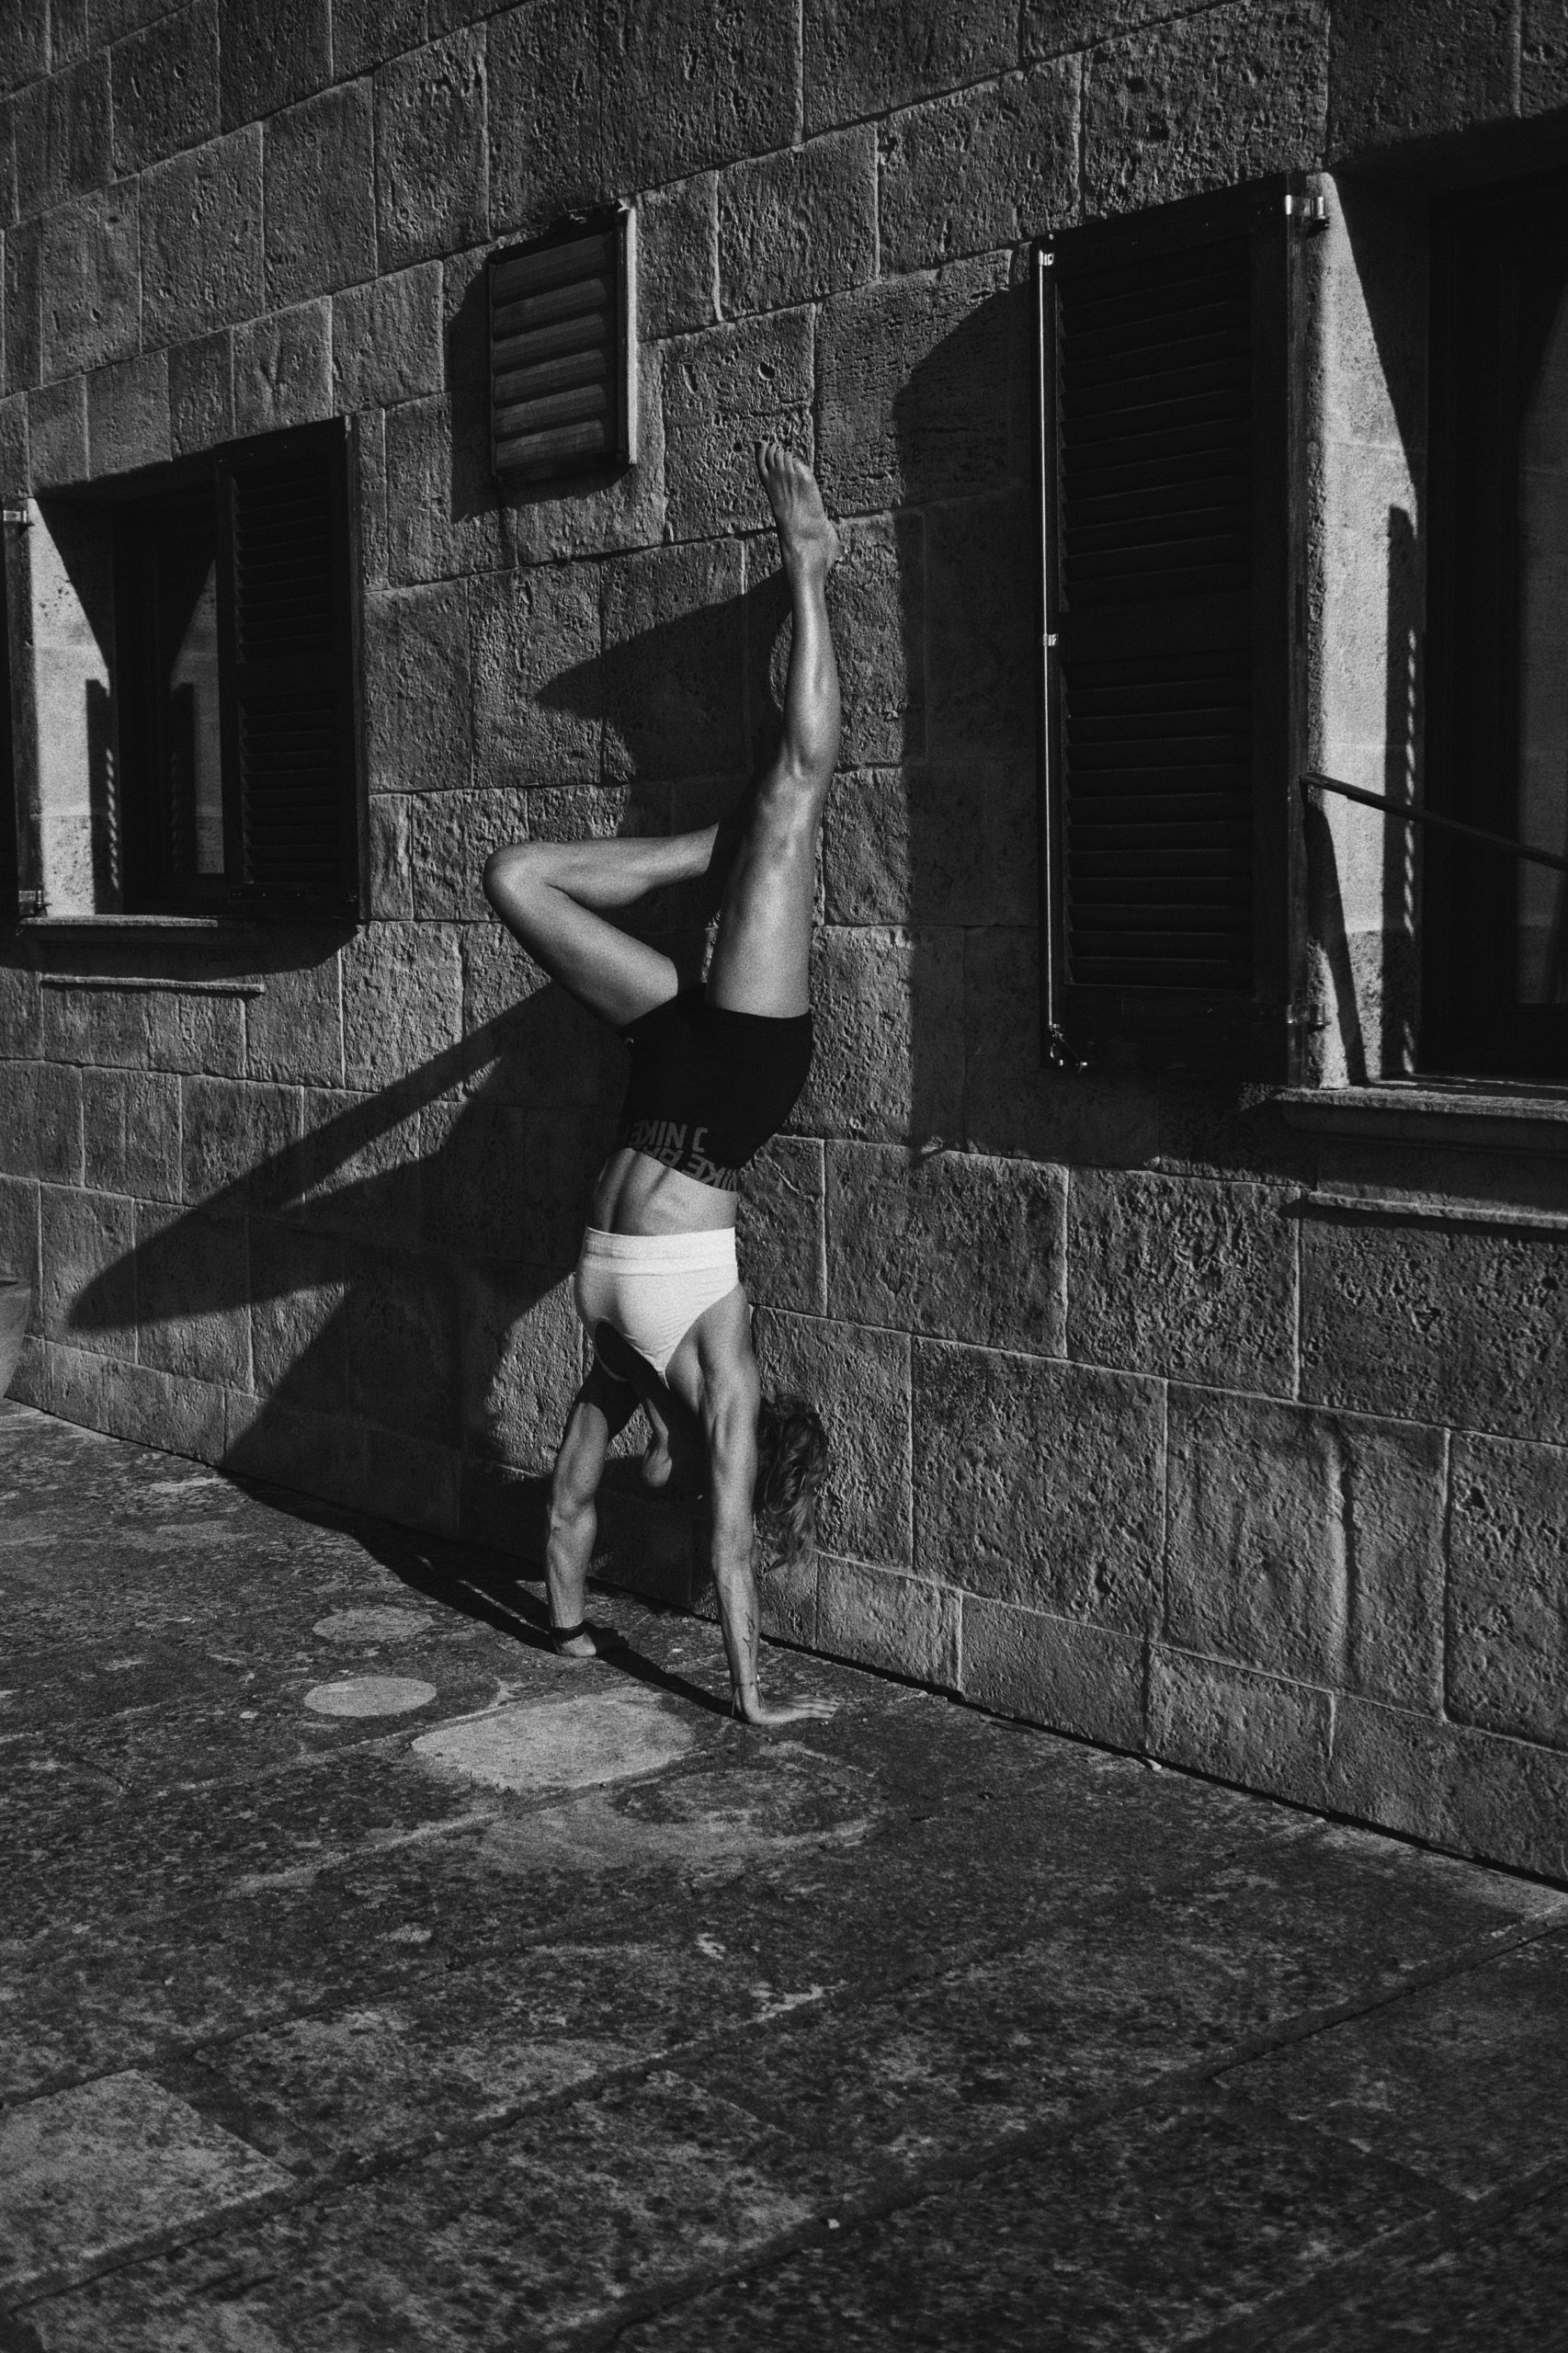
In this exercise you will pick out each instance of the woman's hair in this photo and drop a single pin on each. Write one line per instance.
(791, 1471)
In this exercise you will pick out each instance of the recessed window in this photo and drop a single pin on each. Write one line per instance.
(1496, 927)
(197, 742)
(562, 350)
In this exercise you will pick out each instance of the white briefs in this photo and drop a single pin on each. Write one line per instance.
(651, 1288)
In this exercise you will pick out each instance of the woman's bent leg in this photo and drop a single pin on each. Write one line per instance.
(551, 896)
(762, 957)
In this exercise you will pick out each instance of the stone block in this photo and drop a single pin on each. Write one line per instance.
(1307, 1544)
(18, 1013)
(204, 1034)
(451, 835)
(539, 688)
(545, 147)
(41, 1131)
(25, 54)
(990, 167)
(1473, 1792)
(786, 1599)
(59, 131)
(73, 1386)
(914, 388)
(192, 1295)
(935, 843)
(14, 473)
(391, 885)
(858, 1382)
(299, 1348)
(401, 1329)
(876, 600)
(431, 166)
(201, 394)
(315, 1454)
(239, 1144)
(1040, 1483)
(88, 1294)
(7, 169)
(1261, 1732)
(19, 1234)
(648, 1546)
(386, 339)
(271, 56)
(862, 58)
(669, 683)
(438, 521)
(360, 1171)
(131, 1126)
(1227, 96)
(1087, 1680)
(677, 256)
(1182, 1276)
(91, 264)
(1507, 1636)
(1459, 1324)
(418, 687)
(365, 33)
(283, 370)
(725, 390)
(24, 306)
(128, 415)
(779, 1229)
(950, 1245)
(88, 1025)
(508, 1183)
(370, 483)
(1543, 58)
(169, 1411)
(402, 1002)
(799, 224)
(1401, 71)
(900, 1624)
(294, 1028)
(889, 1059)
(163, 84)
(981, 563)
(686, 85)
(522, 1362)
(201, 239)
(1054, 28)
(526, 1040)
(507, 1511)
(316, 240)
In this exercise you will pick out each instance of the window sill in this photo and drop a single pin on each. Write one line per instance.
(1468, 1115)
(101, 927)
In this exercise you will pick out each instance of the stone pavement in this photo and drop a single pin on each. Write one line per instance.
(374, 1980)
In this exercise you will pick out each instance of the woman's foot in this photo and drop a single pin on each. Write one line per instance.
(808, 539)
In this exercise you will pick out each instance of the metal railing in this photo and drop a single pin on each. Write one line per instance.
(1409, 814)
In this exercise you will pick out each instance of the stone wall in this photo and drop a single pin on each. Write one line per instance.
(1158, 1416)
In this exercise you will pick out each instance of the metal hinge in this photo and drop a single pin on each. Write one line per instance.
(17, 515)
(1311, 211)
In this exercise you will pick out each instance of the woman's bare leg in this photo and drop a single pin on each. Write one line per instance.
(554, 897)
(762, 957)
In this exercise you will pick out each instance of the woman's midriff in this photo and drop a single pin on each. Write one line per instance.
(636, 1194)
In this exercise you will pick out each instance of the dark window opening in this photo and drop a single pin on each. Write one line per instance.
(233, 682)
(1494, 979)
(1171, 698)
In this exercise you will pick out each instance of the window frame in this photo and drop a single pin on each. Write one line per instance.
(1195, 1031)
(229, 901)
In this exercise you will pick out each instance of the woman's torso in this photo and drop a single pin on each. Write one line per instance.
(635, 1194)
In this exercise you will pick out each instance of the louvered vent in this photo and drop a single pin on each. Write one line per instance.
(563, 335)
(1154, 442)
(293, 738)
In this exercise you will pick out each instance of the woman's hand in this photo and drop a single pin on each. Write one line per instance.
(769, 1715)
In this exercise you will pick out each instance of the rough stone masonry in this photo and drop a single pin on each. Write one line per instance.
(1141, 1432)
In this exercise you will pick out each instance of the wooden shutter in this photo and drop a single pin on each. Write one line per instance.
(286, 670)
(562, 344)
(1167, 378)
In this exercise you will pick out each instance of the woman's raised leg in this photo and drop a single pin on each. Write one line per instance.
(762, 955)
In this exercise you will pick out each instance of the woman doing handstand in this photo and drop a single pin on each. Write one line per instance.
(715, 1072)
